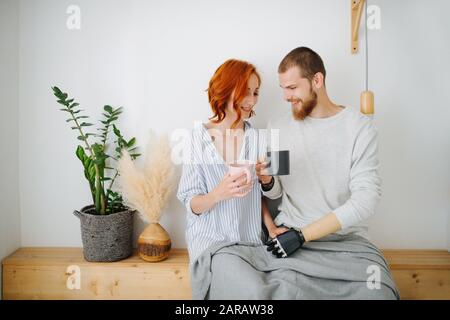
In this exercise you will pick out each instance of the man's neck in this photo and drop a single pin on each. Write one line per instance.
(325, 108)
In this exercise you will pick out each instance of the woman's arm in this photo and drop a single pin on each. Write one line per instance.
(268, 221)
(203, 203)
(231, 186)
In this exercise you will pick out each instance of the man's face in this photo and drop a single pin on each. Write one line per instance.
(298, 91)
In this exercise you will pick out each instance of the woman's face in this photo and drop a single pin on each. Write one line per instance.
(250, 100)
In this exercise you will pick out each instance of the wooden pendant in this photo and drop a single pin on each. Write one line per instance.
(154, 243)
(367, 103)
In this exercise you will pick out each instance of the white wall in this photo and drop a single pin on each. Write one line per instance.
(155, 58)
(9, 129)
(410, 74)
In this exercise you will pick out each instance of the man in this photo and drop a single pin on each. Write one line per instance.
(334, 184)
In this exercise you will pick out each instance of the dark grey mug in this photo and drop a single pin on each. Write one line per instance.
(277, 163)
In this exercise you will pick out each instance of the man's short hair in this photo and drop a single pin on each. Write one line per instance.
(308, 61)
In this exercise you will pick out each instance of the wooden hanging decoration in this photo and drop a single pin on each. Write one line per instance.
(356, 11)
(367, 97)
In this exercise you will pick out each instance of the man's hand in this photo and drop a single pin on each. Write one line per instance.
(260, 166)
(286, 243)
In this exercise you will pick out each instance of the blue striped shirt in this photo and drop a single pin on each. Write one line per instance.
(236, 219)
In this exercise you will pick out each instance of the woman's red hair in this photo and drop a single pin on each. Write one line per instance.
(232, 75)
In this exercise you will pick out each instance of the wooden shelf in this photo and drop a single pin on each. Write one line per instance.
(417, 259)
(420, 274)
(42, 273)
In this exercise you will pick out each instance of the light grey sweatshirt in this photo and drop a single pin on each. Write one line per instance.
(334, 168)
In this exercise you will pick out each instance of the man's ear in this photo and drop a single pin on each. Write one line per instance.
(318, 80)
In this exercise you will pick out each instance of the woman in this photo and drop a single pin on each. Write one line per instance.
(223, 207)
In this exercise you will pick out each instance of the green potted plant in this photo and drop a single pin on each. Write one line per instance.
(106, 224)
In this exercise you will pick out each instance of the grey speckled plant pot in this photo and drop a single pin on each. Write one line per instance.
(106, 238)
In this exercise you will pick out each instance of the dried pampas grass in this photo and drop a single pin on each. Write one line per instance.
(147, 189)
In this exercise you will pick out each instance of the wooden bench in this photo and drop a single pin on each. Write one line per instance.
(62, 273)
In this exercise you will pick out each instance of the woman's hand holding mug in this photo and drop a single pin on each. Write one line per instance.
(232, 185)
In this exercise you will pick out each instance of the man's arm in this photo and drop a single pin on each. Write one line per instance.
(270, 185)
(321, 228)
(365, 182)
(290, 241)
(365, 189)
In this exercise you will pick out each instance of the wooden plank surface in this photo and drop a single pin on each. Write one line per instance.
(42, 273)
(420, 274)
(422, 284)
(417, 259)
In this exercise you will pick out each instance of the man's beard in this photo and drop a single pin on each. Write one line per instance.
(306, 108)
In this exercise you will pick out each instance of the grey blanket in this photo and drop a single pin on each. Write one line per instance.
(334, 267)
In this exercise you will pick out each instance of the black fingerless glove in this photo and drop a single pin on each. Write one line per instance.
(286, 243)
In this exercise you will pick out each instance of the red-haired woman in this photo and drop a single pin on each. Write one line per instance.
(224, 207)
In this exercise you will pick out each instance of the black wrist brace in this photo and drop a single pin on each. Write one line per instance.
(286, 243)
